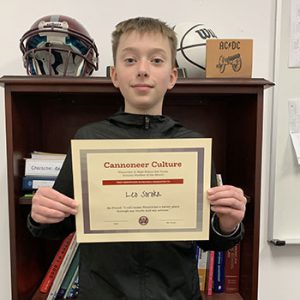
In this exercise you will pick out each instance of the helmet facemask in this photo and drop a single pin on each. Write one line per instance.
(56, 60)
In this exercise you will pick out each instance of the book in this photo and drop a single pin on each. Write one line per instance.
(63, 269)
(202, 268)
(47, 155)
(42, 167)
(232, 269)
(218, 281)
(30, 183)
(55, 265)
(73, 288)
(210, 273)
(69, 277)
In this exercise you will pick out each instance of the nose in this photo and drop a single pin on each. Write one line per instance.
(143, 70)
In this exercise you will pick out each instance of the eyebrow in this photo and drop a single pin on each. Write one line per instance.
(152, 50)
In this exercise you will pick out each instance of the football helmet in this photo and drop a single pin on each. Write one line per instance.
(60, 46)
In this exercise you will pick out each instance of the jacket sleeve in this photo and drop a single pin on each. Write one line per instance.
(219, 242)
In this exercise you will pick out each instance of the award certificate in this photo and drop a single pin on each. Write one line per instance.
(142, 190)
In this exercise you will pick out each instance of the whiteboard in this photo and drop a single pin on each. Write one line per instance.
(284, 210)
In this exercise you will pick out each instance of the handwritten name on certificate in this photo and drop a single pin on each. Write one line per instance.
(142, 190)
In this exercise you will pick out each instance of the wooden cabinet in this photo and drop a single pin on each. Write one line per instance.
(43, 113)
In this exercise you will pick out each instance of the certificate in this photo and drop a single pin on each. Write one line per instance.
(142, 190)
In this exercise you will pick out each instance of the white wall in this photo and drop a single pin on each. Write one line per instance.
(232, 18)
(280, 267)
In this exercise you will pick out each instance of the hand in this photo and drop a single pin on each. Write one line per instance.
(50, 206)
(229, 203)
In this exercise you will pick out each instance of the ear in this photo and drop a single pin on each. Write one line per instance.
(113, 76)
(173, 78)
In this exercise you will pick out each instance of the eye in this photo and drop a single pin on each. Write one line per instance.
(157, 60)
(129, 60)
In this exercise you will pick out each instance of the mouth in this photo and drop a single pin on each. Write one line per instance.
(142, 87)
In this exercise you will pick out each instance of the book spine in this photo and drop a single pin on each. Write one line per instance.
(232, 269)
(210, 274)
(47, 155)
(63, 269)
(218, 282)
(69, 275)
(54, 267)
(42, 167)
(73, 288)
(30, 183)
(202, 268)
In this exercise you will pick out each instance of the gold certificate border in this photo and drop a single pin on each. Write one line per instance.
(80, 151)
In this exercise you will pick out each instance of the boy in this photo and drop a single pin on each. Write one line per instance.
(144, 69)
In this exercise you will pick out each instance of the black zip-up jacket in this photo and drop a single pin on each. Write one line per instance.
(133, 270)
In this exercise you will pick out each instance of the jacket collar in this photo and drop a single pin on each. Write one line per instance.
(137, 120)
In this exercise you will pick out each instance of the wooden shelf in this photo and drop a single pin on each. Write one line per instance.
(43, 113)
(222, 296)
(25, 200)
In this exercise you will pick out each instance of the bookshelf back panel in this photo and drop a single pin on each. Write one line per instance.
(47, 121)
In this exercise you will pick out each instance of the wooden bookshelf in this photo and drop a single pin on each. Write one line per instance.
(43, 113)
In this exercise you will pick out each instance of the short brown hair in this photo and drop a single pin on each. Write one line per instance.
(142, 25)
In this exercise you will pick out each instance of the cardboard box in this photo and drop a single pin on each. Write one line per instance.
(229, 58)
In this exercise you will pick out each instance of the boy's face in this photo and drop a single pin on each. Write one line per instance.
(143, 71)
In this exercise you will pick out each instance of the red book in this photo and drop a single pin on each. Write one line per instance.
(54, 267)
(210, 273)
(232, 269)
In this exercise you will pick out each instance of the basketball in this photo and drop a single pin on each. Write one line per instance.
(191, 49)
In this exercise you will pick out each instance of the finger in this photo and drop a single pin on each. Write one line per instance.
(229, 203)
(51, 211)
(57, 196)
(48, 206)
(226, 192)
(43, 214)
(52, 199)
(227, 210)
(42, 219)
(221, 188)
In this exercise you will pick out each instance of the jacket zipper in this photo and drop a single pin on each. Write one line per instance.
(147, 122)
